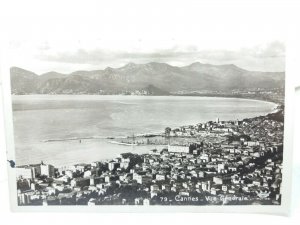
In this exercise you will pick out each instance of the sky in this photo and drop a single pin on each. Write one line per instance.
(248, 34)
(51, 56)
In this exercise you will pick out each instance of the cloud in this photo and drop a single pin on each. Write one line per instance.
(268, 57)
(273, 50)
(94, 56)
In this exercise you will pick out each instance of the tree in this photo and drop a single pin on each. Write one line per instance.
(168, 131)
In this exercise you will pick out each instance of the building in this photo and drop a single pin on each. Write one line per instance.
(28, 171)
(221, 180)
(221, 168)
(92, 202)
(69, 173)
(124, 164)
(146, 202)
(215, 191)
(224, 188)
(47, 170)
(160, 177)
(166, 187)
(154, 187)
(143, 179)
(178, 149)
(138, 201)
(113, 165)
(208, 185)
(24, 198)
(205, 157)
(251, 143)
(80, 182)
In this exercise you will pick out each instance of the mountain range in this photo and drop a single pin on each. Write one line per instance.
(150, 78)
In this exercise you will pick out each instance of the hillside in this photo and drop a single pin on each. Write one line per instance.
(152, 78)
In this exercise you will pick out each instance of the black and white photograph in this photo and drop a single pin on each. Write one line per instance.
(149, 113)
(177, 126)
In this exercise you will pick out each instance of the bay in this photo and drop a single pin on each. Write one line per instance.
(65, 119)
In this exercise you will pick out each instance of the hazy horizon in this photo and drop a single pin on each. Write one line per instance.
(62, 57)
(128, 63)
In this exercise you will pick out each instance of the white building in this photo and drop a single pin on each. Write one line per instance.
(25, 172)
(146, 202)
(113, 165)
(178, 149)
(47, 170)
(92, 202)
(28, 171)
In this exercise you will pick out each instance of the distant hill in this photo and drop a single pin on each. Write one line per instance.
(151, 78)
(152, 90)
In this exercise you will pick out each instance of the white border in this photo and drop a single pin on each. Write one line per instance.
(282, 209)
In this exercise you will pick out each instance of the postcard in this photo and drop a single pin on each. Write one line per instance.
(158, 125)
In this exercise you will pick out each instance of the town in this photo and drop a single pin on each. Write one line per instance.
(225, 163)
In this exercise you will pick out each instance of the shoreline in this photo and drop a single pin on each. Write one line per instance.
(143, 135)
(172, 95)
(156, 133)
(274, 109)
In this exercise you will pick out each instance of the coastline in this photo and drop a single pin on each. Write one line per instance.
(275, 109)
(106, 139)
(175, 95)
(155, 133)
(112, 140)
(140, 135)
